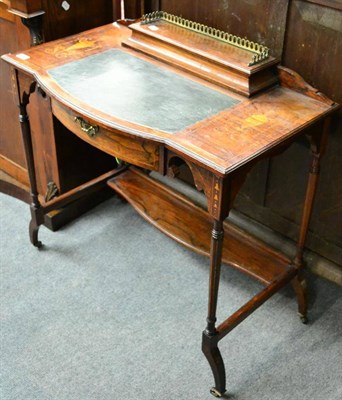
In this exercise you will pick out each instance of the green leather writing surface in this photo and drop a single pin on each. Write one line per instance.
(135, 90)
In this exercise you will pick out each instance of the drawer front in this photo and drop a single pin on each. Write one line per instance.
(136, 151)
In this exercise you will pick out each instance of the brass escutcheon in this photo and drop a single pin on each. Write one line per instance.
(89, 129)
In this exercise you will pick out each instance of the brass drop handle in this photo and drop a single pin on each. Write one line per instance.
(89, 129)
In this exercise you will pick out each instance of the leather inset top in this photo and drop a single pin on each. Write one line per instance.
(134, 90)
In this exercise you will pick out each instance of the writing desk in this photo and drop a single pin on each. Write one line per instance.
(163, 93)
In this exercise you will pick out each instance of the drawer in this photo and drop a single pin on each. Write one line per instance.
(140, 152)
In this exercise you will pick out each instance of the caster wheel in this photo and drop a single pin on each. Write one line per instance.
(304, 319)
(215, 392)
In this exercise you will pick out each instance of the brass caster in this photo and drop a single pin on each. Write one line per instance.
(215, 392)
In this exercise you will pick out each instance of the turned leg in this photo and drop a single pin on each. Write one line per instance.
(300, 287)
(210, 336)
(37, 216)
(299, 283)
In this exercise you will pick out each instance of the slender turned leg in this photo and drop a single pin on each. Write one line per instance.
(37, 216)
(210, 337)
(299, 282)
(300, 287)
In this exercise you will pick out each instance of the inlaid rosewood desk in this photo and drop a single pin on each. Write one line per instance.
(165, 93)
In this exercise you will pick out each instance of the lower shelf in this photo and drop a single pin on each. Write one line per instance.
(178, 217)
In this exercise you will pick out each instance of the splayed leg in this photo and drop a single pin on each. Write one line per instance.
(213, 355)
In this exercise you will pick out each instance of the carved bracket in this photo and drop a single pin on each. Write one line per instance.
(214, 187)
(219, 191)
(51, 192)
(35, 26)
(318, 144)
(25, 87)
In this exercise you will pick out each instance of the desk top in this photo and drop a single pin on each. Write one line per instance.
(131, 89)
(121, 89)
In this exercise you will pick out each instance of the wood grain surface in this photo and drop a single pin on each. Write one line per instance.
(224, 142)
